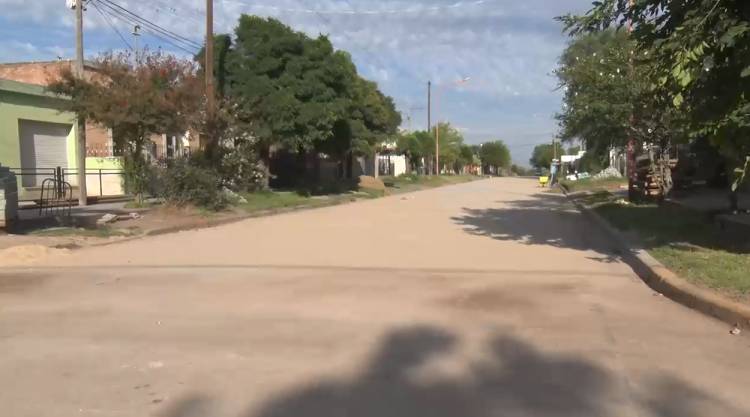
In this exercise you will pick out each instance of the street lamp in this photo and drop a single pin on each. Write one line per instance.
(437, 127)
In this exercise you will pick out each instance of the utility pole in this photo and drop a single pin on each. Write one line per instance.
(429, 105)
(554, 148)
(429, 122)
(81, 128)
(437, 148)
(210, 57)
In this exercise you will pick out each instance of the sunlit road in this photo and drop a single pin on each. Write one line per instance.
(491, 298)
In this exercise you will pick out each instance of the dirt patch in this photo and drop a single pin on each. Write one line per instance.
(17, 283)
(27, 254)
(493, 299)
(499, 299)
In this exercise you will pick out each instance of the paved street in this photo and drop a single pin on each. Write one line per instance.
(491, 298)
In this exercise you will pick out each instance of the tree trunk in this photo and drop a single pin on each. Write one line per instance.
(264, 156)
(349, 165)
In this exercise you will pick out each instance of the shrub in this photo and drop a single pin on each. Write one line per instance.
(184, 183)
(239, 169)
(592, 163)
(139, 177)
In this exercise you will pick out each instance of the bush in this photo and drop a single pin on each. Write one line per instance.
(139, 177)
(239, 169)
(184, 182)
(409, 177)
(592, 163)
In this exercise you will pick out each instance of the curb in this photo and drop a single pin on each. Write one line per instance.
(666, 282)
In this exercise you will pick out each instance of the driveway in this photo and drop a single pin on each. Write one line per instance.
(491, 298)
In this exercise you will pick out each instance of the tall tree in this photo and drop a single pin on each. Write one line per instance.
(300, 94)
(466, 157)
(418, 146)
(610, 95)
(700, 58)
(450, 142)
(542, 155)
(290, 88)
(495, 154)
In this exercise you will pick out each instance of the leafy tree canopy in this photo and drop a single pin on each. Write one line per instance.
(496, 154)
(543, 155)
(299, 92)
(610, 95)
(161, 94)
(700, 59)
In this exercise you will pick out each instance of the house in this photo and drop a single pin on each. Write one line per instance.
(390, 162)
(99, 141)
(36, 137)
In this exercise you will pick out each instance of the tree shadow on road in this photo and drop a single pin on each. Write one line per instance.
(513, 379)
(544, 219)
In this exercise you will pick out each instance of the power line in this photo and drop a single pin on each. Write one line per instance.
(166, 35)
(156, 35)
(189, 48)
(112, 25)
(164, 31)
(193, 15)
(151, 28)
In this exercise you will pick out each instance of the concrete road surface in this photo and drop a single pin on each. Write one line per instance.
(486, 299)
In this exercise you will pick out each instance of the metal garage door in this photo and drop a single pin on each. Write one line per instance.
(43, 148)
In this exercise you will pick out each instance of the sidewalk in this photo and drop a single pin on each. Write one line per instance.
(716, 202)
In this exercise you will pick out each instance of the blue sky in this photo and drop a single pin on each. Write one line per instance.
(508, 48)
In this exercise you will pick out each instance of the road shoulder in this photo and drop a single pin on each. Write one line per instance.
(663, 280)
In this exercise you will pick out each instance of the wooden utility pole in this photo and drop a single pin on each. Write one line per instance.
(210, 57)
(437, 148)
(429, 105)
(81, 128)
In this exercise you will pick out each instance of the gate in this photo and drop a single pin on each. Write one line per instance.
(56, 196)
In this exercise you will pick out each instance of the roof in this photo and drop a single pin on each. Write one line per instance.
(25, 88)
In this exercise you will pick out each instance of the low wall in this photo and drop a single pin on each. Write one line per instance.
(103, 177)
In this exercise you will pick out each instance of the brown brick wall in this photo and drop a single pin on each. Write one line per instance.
(38, 73)
(96, 136)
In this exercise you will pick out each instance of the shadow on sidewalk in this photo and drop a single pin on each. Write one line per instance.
(514, 379)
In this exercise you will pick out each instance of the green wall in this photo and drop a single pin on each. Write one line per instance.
(19, 101)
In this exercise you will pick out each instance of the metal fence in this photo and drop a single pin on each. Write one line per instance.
(33, 179)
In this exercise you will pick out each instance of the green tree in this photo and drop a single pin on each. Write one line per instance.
(417, 146)
(610, 96)
(300, 94)
(495, 154)
(466, 157)
(450, 142)
(700, 60)
(542, 155)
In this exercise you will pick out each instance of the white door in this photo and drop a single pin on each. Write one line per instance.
(43, 148)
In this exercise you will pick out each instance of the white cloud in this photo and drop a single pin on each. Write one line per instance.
(508, 47)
